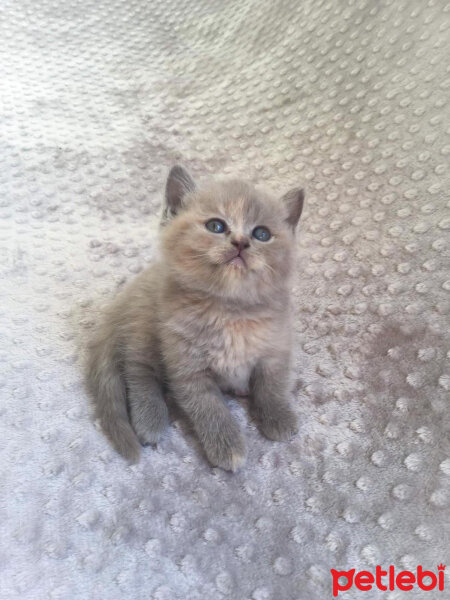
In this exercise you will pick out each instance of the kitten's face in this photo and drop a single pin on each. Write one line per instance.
(230, 241)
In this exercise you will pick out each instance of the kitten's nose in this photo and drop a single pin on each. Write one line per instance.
(240, 243)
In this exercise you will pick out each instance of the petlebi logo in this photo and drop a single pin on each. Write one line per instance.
(388, 579)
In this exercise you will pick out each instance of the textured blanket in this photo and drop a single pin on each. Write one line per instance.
(349, 99)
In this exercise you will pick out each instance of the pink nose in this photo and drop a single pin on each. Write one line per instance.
(241, 243)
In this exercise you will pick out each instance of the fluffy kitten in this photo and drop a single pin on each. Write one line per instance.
(211, 316)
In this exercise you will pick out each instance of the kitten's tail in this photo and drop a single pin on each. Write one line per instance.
(108, 388)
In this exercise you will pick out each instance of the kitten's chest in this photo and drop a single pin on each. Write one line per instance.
(234, 348)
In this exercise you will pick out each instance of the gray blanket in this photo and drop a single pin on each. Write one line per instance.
(349, 99)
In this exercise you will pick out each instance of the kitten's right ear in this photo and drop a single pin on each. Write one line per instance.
(179, 183)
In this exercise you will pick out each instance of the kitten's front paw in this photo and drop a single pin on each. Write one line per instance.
(279, 425)
(150, 422)
(227, 449)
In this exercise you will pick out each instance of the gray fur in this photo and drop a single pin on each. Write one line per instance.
(179, 184)
(202, 321)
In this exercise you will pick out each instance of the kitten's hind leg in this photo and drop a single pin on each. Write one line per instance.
(148, 410)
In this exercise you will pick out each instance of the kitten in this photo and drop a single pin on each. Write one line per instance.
(211, 316)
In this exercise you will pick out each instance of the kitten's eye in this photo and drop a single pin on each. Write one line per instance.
(262, 234)
(216, 226)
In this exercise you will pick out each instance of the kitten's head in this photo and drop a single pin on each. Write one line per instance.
(228, 238)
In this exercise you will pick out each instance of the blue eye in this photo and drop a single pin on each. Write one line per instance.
(262, 234)
(215, 225)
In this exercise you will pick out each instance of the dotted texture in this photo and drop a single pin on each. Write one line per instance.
(349, 99)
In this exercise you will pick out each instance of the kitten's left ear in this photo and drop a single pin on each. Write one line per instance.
(293, 201)
(179, 183)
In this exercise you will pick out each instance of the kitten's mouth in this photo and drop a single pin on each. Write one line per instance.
(237, 261)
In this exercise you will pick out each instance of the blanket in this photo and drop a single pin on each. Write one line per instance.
(349, 99)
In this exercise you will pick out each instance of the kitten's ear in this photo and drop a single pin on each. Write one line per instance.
(179, 183)
(293, 201)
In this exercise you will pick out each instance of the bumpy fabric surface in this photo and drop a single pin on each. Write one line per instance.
(349, 99)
